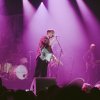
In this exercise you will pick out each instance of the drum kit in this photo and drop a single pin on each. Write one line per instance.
(10, 71)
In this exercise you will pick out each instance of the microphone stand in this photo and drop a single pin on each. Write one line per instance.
(61, 52)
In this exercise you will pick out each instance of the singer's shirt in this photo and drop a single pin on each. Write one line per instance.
(44, 43)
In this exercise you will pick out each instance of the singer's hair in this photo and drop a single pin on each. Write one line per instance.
(52, 31)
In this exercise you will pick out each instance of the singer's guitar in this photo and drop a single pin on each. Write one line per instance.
(47, 56)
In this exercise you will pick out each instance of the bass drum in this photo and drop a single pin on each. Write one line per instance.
(21, 72)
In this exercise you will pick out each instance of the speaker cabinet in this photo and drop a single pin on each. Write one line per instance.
(40, 83)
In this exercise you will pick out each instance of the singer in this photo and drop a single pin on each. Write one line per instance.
(44, 54)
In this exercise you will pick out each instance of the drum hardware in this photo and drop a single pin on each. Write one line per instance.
(5, 70)
(30, 58)
(10, 70)
(23, 60)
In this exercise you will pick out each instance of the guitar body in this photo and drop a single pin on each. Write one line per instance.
(46, 55)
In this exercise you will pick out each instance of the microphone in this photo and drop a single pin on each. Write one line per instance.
(56, 36)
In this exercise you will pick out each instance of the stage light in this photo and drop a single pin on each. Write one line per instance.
(41, 2)
(35, 3)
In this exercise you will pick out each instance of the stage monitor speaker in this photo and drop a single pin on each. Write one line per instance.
(40, 83)
(77, 81)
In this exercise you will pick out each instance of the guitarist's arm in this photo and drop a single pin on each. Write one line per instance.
(54, 58)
